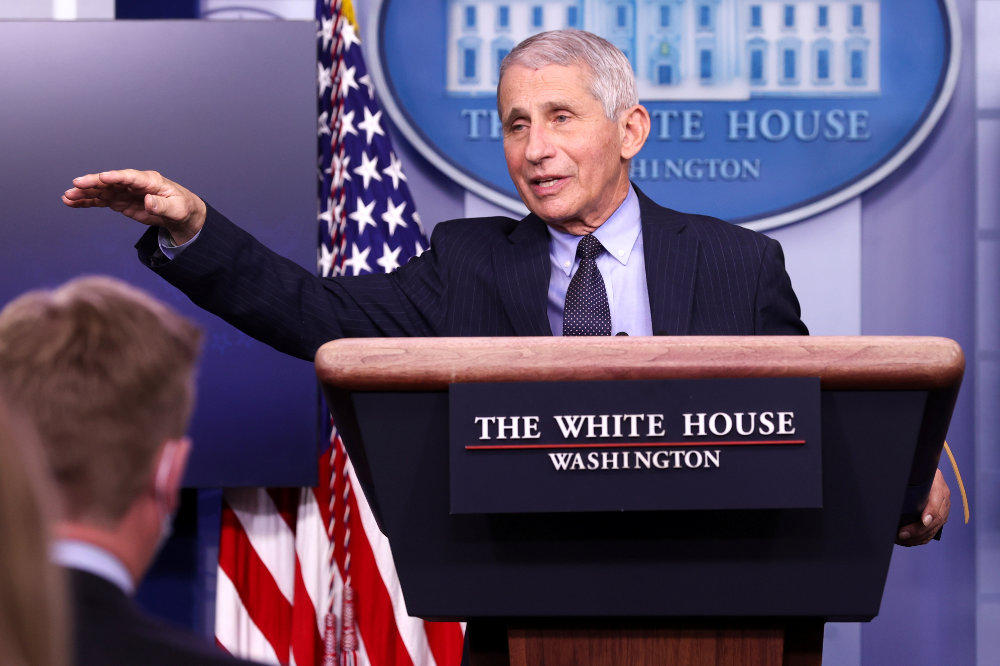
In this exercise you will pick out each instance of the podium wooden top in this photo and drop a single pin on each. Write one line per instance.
(850, 362)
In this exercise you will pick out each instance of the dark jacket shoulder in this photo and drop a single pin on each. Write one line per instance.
(480, 229)
(704, 227)
(109, 628)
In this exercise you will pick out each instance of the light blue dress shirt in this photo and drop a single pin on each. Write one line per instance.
(167, 247)
(84, 556)
(623, 267)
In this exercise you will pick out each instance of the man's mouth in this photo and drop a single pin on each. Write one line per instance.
(546, 183)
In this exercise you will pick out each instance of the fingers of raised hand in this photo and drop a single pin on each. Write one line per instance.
(87, 181)
(86, 197)
(84, 202)
(131, 180)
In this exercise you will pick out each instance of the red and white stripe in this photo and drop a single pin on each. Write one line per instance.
(283, 559)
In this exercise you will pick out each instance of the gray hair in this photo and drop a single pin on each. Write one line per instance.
(612, 81)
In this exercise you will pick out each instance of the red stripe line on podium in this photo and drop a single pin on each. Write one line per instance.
(619, 445)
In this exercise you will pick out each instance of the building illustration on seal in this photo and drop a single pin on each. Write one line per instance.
(686, 49)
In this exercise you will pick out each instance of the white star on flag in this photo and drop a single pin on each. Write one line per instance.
(394, 170)
(325, 262)
(366, 81)
(368, 169)
(347, 81)
(389, 261)
(326, 31)
(348, 34)
(322, 77)
(371, 125)
(324, 123)
(359, 260)
(327, 216)
(393, 216)
(363, 215)
(347, 125)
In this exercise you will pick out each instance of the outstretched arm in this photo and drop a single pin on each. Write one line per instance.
(144, 196)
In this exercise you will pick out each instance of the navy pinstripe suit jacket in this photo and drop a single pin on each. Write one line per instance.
(481, 277)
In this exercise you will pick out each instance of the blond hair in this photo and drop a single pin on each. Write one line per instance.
(33, 630)
(612, 81)
(106, 373)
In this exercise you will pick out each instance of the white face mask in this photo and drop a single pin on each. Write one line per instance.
(160, 486)
(166, 530)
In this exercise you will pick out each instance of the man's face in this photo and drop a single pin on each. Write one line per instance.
(563, 154)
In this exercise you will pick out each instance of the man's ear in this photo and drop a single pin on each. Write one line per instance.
(634, 124)
(171, 461)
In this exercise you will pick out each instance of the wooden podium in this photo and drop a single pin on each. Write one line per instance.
(646, 587)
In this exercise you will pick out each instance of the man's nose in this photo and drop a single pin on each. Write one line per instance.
(539, 147)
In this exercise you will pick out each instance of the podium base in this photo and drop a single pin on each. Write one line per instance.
(645, 642)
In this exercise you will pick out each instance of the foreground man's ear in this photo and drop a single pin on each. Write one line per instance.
(634, 124)
(170, 466)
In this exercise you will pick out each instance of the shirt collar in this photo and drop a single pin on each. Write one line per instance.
(74, 554)
(617, 235)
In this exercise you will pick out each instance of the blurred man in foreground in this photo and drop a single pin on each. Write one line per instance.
(106, 374)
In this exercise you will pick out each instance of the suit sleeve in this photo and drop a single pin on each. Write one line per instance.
(231, 274)
(776, 308)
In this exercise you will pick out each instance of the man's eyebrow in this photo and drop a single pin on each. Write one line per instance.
(513, 114)
(558, 104)
(548, 107)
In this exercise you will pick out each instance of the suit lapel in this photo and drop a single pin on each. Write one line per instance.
(522, 269)
(671, 257)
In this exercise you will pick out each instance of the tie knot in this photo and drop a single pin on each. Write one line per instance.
(589, 247)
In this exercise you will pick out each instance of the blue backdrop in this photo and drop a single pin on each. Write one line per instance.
(244, 107)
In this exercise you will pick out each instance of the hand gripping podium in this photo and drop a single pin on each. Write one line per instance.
(686, 586)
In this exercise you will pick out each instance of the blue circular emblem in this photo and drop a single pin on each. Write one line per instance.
(764, 112)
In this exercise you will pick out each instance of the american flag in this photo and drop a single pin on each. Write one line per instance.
(305, 576)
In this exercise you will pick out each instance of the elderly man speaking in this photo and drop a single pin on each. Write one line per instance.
(594, 257)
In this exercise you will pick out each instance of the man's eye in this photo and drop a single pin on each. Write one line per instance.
(562, 117)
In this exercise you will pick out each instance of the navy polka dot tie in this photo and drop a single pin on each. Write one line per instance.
(586, 310)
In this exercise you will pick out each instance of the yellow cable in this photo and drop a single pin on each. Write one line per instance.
(347, 10)
(961, 486)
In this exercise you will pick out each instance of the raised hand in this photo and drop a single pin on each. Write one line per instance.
(144, 196)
